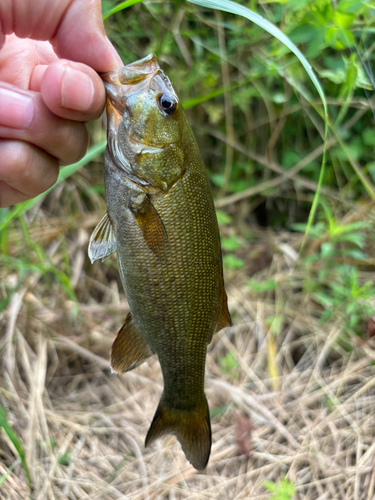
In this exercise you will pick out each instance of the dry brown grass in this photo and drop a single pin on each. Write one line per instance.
(311, 403)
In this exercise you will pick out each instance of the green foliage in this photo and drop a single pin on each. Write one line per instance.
(214, 412)
(232, 262)
(283, 490)
(231, 243)
(223, 218)
(64, 458)
(331, 274)
(229, 364)
(263, 286)
(34, 259)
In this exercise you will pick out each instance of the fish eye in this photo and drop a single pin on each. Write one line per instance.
(168, 103)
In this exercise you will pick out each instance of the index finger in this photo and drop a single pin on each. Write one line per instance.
(81, 37)
(74, 28)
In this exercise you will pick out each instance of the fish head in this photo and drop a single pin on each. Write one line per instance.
(142, 96)
(145, 122)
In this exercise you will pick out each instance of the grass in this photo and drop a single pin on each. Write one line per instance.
(291, 386)
(82, 428)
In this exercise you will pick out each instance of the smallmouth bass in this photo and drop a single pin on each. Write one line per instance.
(161, 221)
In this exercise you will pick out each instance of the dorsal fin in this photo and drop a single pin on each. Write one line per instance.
(102, 242)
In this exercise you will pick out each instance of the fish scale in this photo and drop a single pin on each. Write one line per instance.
(161, 220)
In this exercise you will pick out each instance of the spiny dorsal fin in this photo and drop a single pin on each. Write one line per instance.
(129, 349)
(192, 429)
(102, 241)
(151, 225)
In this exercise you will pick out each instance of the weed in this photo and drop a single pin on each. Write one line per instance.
(283, 490)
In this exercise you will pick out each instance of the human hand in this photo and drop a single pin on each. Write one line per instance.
(48, 89)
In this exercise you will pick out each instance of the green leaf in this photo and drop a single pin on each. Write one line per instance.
(303, 33)
(284, 489)
(369, 137)
(229, 363)
(350, 6)
(233, 262)
(263, 286)
(121, 6)
(343, 20)
(230, 243)
(323, 299)
(223, 218)
(64, 458)
(270, 486)
(218, 411)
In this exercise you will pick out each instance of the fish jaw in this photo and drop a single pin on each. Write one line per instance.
(119, 82)
(143, 140)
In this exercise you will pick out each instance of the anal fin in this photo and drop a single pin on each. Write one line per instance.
(129, 349)
(102, 242)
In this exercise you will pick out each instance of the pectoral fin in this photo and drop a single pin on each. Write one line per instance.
(129, 349)
(102, 241)
(151, 225)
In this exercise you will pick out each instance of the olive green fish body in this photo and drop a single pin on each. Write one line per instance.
(161, 219)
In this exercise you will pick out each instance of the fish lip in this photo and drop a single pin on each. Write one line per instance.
(115, 83)
(139, 70)
(132, 73)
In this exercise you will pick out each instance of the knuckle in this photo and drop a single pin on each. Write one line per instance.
(30, 168)
(75, 143)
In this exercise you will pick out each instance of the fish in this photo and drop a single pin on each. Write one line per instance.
(161, 221)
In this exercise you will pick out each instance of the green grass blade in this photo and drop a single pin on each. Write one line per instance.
(198, 100)
(3, 478)
(121, 6)
(16, 442)
(65, 172)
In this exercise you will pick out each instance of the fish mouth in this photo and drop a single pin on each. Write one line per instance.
(131, 74)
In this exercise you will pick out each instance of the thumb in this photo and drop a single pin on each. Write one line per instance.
(81, 37)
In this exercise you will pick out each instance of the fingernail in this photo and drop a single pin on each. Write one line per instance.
(77, 90)
(16, 109)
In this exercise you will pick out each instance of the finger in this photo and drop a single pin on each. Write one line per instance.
(37, 77)
(18, 58)
(73, 90)
(85, 41)
(25, 171)
(74, 27)
(24, 116)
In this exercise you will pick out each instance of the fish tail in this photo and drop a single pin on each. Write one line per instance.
(191, 427)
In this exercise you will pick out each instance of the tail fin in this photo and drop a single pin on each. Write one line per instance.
(192, 428)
